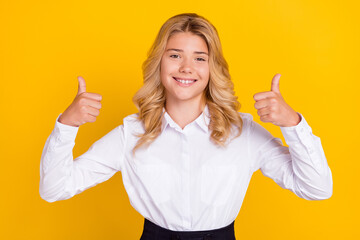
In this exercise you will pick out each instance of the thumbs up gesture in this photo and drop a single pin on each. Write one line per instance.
(85, 107)
(273, 108)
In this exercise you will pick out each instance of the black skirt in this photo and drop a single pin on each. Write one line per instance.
(154, 232)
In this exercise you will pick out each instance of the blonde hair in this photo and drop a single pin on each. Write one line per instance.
(219, 93)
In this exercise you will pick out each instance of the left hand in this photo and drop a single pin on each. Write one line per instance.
(273, 108)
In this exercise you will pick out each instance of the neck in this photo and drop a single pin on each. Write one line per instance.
(185, 112)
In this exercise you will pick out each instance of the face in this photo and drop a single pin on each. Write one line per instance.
(185, 68)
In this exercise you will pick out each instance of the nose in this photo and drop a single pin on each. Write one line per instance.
(186, 66)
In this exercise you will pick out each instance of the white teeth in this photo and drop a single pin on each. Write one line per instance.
(185, 81)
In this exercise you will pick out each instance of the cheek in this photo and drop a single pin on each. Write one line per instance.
(166, 68)
(204, 71)
(163, 70)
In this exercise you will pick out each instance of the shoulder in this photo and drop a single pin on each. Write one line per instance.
(247, 119)
(246, 116)
(132, 119)
(248, 123)
(129, 129)
(132, 124)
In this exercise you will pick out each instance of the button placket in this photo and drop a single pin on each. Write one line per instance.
(186, 177)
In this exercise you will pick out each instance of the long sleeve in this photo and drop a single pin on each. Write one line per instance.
(302, 167)
(62, 177)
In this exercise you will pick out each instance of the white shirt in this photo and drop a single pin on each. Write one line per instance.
(182, 181)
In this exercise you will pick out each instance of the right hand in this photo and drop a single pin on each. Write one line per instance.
(85, 107)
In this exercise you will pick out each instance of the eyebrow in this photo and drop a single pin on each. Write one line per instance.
(179, 50)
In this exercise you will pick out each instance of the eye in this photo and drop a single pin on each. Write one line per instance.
(177, 56)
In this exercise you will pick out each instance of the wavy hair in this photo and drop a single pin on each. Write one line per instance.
(219, 93)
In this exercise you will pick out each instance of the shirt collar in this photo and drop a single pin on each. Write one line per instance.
(202, 121)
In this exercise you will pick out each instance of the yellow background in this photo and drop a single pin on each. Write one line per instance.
(45, 45)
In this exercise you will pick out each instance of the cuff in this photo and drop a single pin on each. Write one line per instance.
(298, 132)
(66, 131)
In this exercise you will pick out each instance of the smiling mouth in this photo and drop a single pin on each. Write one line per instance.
(184, 81)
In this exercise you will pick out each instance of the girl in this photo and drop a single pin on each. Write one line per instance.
(188, 156)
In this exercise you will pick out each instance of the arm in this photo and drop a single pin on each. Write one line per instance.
(62, 177)
(302, 167)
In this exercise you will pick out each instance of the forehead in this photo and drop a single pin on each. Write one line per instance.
(187, 41)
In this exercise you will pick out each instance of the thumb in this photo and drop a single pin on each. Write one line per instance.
(275, 83)
(82, 85)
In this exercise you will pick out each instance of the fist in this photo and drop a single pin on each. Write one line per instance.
(272, 107)
(84, 108)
